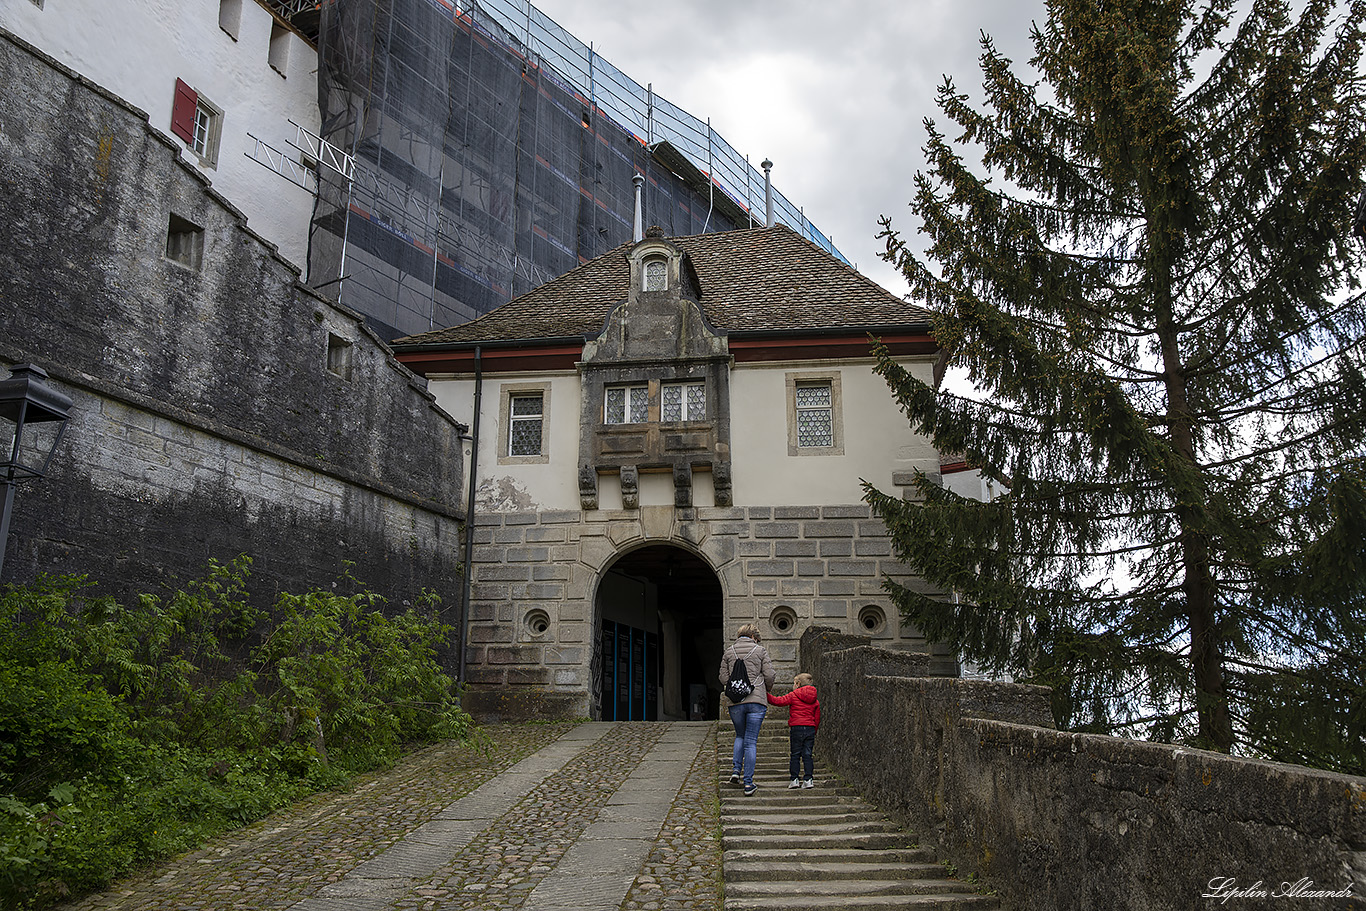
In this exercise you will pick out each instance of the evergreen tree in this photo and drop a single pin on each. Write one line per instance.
(1149, 273)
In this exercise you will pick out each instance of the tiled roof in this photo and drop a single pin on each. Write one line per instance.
(752, 280)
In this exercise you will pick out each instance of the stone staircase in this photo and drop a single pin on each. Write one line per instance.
(822, 848)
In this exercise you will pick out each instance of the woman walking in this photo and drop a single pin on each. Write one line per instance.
(747, 713)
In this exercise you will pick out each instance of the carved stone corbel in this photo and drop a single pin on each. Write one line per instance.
(682, 486)
(630, 487)
(720, 478)
(588, 487)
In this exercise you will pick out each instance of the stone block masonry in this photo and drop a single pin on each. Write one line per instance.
(220, 406)
(743, 546)
(1073, 821)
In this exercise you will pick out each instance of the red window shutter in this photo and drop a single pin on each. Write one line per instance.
(182, 112)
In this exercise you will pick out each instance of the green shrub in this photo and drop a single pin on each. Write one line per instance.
(131, 733)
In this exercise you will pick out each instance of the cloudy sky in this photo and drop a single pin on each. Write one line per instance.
(833, 92)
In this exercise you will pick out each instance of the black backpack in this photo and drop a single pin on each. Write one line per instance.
(738, 686)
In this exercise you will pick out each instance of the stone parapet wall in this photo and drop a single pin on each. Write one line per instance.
(1073, 821)
(823, 564)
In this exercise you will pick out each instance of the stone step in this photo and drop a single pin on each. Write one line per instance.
(802, 902)
(826, 870)
(815, 831)
(776, 794)
(795, 843)
(824, 848)
(741, 815)
(848, 889)
(832, 855)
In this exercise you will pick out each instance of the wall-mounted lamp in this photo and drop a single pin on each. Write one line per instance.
(39, 414)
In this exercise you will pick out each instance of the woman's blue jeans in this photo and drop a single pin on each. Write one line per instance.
(747, 716)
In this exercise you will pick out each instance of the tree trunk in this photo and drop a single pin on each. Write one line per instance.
(1211, 699)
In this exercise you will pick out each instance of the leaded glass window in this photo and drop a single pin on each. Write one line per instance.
(683, 402)
(656, 275)
(815, 423)
(524, 425)
(626, 405)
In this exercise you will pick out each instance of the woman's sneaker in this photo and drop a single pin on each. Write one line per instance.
(735, 778)
(750, 789)
(796, 783)
(808, 783)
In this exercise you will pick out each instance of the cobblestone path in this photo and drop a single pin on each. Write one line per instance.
(593, 817)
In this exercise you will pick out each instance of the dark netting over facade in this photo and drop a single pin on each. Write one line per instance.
(482, 171)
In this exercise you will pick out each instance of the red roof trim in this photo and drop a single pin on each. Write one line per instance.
(531, 358)
(492, 360)
(806, 347)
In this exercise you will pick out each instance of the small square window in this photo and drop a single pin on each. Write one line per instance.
(626, 405)
(230, 17)
(185, 242)
(278, 53)
(339, 356)
(525, 425)
(683, 402)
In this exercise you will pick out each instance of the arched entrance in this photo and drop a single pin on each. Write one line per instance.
(658, 620)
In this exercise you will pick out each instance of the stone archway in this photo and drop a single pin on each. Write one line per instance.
(658, 629)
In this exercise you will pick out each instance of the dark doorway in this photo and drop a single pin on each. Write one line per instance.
(659, 637)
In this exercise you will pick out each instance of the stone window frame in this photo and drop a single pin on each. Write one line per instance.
(197, 122)
(794, 378)
(506, 392)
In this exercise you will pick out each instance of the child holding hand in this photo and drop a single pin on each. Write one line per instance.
(802, 721)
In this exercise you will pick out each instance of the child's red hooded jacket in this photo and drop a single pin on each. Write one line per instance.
(806, 708)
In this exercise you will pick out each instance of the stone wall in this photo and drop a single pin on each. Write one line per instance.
(220, 406)
(1074, 821)
(816, 564)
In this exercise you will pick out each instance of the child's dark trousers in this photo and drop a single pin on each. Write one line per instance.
(802, 738)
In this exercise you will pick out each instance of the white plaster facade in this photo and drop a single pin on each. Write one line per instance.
(137, 49)
(878, 444)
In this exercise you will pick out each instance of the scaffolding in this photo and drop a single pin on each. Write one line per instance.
(492, 151)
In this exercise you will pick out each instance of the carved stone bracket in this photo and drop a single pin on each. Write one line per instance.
(630, 487)
(588, 487)
(720, 477)
(682, 486)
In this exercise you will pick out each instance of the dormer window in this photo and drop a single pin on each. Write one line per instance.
(656, 275)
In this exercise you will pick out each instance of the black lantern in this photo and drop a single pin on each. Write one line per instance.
(28, 402)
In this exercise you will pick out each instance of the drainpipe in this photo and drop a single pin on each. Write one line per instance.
(638, 229)
(768, 192)
(469, 515)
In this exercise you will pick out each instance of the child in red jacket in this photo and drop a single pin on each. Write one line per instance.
(804, 718)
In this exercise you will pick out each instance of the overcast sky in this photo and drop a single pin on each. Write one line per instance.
(833, 92)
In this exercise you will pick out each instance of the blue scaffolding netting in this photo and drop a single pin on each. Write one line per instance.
(493, 152)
